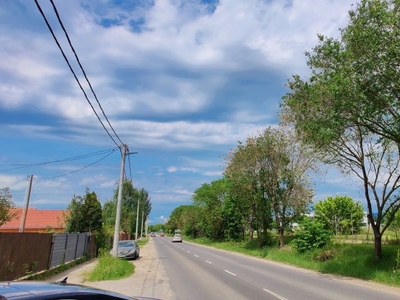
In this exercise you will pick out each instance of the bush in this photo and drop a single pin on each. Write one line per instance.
(311, 235)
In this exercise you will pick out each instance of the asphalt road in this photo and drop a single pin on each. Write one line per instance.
(199, 272)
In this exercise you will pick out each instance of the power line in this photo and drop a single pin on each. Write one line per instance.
(83, 167)
(80, 65)
(23, 166)
(72, 71)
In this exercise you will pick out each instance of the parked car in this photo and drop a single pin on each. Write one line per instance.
(177, 238)
(128, 249)
(35, 290)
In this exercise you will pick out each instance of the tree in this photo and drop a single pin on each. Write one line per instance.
(6, 206)
(311, 235)
(84, 214)
(340, 214)
(211, 198)
(187, 218)
(276, 166)
(349, 108)
(131, 197)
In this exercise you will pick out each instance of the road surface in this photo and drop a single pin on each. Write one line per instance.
(199, 272)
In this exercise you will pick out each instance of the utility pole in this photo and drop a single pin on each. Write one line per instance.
(141, 228)
(137, 218)
(119, 200)
(26, 206)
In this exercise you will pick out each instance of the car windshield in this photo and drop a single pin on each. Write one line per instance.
(177, 235)
(125, 244)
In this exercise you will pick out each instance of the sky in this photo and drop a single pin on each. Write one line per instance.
(181, 82)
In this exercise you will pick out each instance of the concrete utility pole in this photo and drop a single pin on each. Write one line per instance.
(26, 206)
(141, 228)
(124, 149)
(137, 219)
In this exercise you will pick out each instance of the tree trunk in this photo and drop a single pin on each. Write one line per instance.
(281, 237)
(378, 243)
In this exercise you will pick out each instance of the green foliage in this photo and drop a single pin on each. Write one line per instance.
(311, 235)
(6, 206)
(187, 218)
(131, 198)
(348, 108)
(84, 214)
(232, 220)
(210, 199)
(269, 176)
(340, 214)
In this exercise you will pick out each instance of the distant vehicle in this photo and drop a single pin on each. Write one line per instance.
(152, 234)
(35, 290)
(162, 234)
(128, 249)
(177, 238)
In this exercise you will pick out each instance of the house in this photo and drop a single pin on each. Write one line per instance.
(37, 220)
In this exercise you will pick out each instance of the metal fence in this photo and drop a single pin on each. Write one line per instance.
(22, 254)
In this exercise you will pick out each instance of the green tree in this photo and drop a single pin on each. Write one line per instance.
(131, 198)
(84, 214)
(242, 170)
(277, 167)
(340, 214)
(311, 235)
(210, 198)
(187, 218)
(6, 206)
(349, 108)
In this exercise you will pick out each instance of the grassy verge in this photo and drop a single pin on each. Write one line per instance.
(112, 268)
(345, 259)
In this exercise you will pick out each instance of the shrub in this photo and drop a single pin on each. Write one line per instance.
(311, 235)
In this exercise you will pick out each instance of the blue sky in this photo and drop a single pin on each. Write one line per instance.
(180, 81)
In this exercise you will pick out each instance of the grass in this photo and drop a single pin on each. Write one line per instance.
(111, 268)
(345, 259)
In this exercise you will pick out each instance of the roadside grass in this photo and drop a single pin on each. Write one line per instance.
(113, 268)
(345, 259)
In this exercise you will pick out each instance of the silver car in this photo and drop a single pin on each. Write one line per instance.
(128, 249)
(177, 238)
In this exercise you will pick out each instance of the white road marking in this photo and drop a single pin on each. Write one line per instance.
(196, 255)
(209, 262)
(276, 295)
(233, 274)
(188, 252)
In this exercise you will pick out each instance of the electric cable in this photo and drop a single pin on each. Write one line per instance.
(23, 166)
(87, 166)
(72, 71)
(80, 65)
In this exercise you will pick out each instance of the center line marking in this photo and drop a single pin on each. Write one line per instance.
(209, 262)
(196, 255)
(233, 274)
(276, 295)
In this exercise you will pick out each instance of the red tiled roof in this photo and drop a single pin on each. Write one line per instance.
(36, 219)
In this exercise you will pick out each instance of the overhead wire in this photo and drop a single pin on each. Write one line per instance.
(23, 166)
(80, 65)
(87, 166)
(72, 71)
